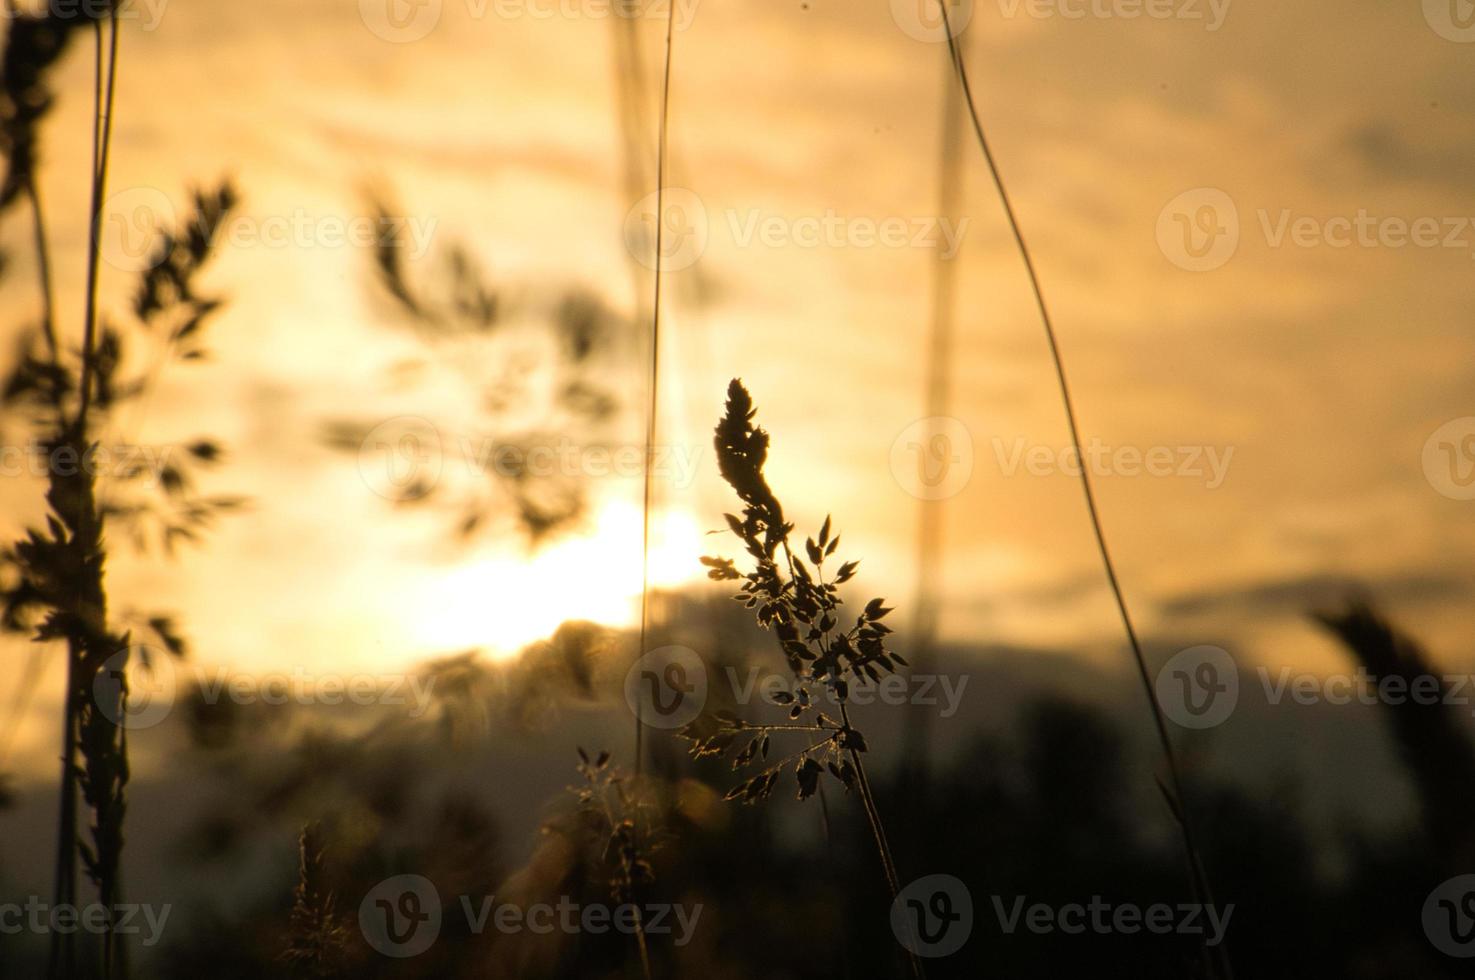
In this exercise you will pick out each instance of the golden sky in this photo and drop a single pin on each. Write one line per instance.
(1313, 362)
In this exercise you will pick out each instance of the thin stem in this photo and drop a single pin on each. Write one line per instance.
(640, 943)
(824, 816)
(630, 103)
(811, 729)
(1199, 877)
(107, 815)
(872, 814)
(102, 135)
(655, 363)
(61, 964)
(878, 831)
(43, 271)
(628, 879)
(916, 736)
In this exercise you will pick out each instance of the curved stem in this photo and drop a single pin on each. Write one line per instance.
(655, 364)
(43, 271)
(878, 831)
(102, 136)
(61, 964)
(1196, 870)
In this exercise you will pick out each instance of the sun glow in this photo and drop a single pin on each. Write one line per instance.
(503, 601)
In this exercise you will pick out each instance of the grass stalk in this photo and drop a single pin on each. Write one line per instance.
(61, 963)
(916, 735)
(105, 84)
(43, 271)
(1174, 787)
(653, 404)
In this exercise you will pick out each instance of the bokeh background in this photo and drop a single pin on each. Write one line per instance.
(514, 144)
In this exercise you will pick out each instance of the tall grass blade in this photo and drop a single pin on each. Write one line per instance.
(1197, 873)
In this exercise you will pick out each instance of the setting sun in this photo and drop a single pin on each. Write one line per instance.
(499, 603)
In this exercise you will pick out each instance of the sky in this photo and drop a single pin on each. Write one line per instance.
(1252, 222)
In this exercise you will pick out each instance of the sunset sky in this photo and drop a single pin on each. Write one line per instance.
(1290, 381)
